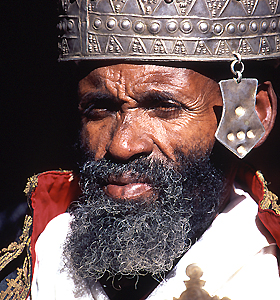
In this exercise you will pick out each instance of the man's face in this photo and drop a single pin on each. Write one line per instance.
(149, 188)
(130, 111)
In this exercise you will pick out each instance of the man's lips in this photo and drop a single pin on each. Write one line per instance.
(127, 187)
(129, 191)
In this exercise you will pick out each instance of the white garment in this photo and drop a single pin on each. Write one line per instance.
(236, 259)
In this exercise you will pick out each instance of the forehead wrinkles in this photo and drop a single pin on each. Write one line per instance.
(163, 79)
(117, 81)
(127, 81)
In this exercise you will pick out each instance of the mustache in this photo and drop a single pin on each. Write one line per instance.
(142, 169)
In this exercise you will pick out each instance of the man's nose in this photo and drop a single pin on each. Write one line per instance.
(130, 138)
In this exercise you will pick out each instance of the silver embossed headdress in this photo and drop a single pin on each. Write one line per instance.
(181, 30)
(174, 30)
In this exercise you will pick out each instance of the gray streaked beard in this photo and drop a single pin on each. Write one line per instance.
(132, 238)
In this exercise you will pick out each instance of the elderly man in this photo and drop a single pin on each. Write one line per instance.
(157, 194)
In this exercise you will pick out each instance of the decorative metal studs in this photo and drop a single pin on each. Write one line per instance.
(264, 46)
(125, 24)
(230, 28)
(111, 24)
(231, 137)
(137, 46)
(277, 43)
(264, 25)
(203, 26)
(154, 27)
(179, 48)
(242, 27)
(273, 5)
(240, 135)
(241, 150)
(223, 26)
(223, 48)
(93, 44)
(114, 46)
(186, 26)
(239, 111)
(218, 28)
(97, 23)
(64, 26)
(139, 27)
(59, 26)
(273, 25)
(172, 26)
(240, 128)
(244, 47)
(249, 6)
(202, 49)
(159, 47)
(253, 26)
(70, 25)
(250, 134)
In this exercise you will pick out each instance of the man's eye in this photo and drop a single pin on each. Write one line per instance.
(167, 110)
(96, 114)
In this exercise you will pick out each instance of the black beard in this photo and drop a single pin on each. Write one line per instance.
(133, 238)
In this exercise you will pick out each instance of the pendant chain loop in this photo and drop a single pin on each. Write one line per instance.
(237, 62)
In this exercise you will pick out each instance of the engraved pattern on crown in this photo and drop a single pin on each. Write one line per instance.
(148, 6)
(93, 44)
(65, 5)
(223, 48)
(249, 6)
(173, 28)
(273, 4)
(244, 47)
(184, 6)
(159, 47)
(64, 47)
(117, 5)
(216, 7)
(91, 5)
(264, 46)
(179, 48)
(202, 49)
(277, 43)
(113, 45)
(137, 46)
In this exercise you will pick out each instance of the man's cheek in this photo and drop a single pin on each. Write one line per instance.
(96, 137)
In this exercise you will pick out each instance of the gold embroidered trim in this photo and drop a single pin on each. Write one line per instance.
(270, 200)
(31, 185)
(16, 248)
(194, 286)
(18, 288)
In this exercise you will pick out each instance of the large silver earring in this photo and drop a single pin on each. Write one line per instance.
(240, 127)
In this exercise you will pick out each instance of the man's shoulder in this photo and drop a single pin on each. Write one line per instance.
(49, 194)
(16, 265)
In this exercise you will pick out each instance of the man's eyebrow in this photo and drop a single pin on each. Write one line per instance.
(97, 99)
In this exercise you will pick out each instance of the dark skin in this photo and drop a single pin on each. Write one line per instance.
(152, 106)
(144, 110)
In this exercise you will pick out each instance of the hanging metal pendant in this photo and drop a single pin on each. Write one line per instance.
(240, 127)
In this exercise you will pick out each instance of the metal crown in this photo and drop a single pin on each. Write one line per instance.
(178, 30)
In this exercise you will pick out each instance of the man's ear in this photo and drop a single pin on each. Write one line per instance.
(266, 108)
